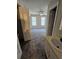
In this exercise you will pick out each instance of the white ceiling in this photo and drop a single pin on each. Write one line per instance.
(35, 6)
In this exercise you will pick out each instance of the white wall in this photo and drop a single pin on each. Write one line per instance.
(52, 4)
(38, 21)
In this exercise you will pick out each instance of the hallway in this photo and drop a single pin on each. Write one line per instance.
(36, 19)
(34, 49)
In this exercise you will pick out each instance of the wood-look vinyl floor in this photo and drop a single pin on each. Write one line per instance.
(34, 49)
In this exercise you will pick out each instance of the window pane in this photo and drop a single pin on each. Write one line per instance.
(33, 21)
(42, 21)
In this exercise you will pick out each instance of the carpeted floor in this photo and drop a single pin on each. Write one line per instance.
(34, 49)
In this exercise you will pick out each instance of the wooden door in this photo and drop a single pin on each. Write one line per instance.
(24, 15)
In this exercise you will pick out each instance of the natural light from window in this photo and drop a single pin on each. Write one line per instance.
(43, 21)
(33, 21)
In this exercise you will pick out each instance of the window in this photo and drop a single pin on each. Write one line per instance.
(33, 21)
(42, 21)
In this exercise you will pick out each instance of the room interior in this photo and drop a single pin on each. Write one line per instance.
(39, 29)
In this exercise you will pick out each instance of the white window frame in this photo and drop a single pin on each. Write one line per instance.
(43, 21)
(34, 21)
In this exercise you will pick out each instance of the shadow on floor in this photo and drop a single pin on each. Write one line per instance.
(34, 49)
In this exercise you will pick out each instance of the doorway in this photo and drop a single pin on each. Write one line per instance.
(38, 25)
(51, 21)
